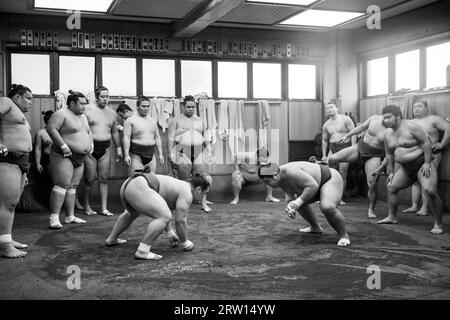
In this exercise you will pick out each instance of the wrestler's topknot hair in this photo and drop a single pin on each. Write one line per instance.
(123, 107)
(392, 108)
(17, 89)
(140, 99)
(47, 114)
(74, 96)
(202, 180)
(99, 89)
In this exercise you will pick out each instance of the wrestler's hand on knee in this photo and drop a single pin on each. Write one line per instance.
(426, 170)
(342, 140)
(436, 147)
(291, 209)
(389, 178)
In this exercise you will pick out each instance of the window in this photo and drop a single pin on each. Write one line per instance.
(438, 58)
(84, 5)
(267, 80)
(232, 79)
(321, 18)
(32, 71)
(119, 76)
(158, 77)
(407, 68)
(196, 77)
(302, 81)
(76, 73)
(377, 76)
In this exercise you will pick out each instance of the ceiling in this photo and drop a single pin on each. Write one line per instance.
(189, 17)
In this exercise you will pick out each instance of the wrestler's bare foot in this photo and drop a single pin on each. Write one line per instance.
(206, 208)
(388, 220)
(7, 250)
(272, 199)
(370, 214)
(235, 201)
(106, 213)
(437, 229)
(174, 241)
(343, 242)
(342, 203)
(89, 211)
(73, 219)
(209, 202)
(55, 224)
(114, 242)
(147, 255)
(19, 245)
(312, 230)
(412, 209)
(422, 212)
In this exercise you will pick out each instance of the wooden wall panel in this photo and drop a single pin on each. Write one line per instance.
(369, 107)
(305, 120)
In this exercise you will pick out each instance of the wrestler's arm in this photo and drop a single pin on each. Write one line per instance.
(54, 125)
(350, 126)
(182, 206)
(127, 129)
(424, 140)
(357, 130)
(443, 125)
(158, 143)
(300, 178)
(37, 148)
(115, 135)
(390, 160)
(325, 138)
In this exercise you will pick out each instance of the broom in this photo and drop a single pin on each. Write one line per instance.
(28, 202)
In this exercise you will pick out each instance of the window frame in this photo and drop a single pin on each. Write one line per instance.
(390, 53)
(55, 53)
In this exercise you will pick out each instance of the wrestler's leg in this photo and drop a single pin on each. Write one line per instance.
(69, 203)
(90, 173)
(343, 170)
(197, 166)
(62, 172)
(16, 244)
(123, 223)
(424, 209)
(430, 191)
(136, 163)
(237, 180)
(103, 172)
(308, 214)
(416, 192)
(148, 202)
(371, 166)
(349, 154)
(10, 186)
(330, 197)
(153, 163)
(269, 195)
(399, 182)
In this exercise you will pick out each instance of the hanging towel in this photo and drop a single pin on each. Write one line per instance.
(263, 123)
(166, 113)
(223, 124)
(131, 103)
(61, 99)
(176, 107)
(212, 122)
(236, 133)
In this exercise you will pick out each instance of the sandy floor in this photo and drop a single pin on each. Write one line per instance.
(248, 251)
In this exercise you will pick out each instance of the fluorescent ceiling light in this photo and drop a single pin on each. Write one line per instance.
(289, 2)
(321, 18)
(82, 5)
